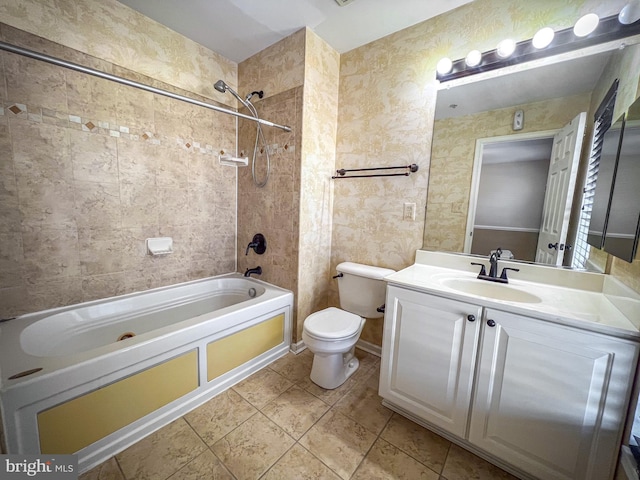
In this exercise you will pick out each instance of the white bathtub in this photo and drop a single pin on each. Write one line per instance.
(180, 348)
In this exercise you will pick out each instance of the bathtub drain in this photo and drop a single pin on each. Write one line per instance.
(126, 335)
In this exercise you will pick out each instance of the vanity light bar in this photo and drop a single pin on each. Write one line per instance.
(609, 29)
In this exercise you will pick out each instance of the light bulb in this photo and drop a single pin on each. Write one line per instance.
(586, 24)
(506, 48)
(630, 13)
(543, 37)
(444, 66)
(473, 59)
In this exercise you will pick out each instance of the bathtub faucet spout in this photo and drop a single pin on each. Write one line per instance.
(257, 271)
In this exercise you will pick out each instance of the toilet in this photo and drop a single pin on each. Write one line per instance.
(331, 334)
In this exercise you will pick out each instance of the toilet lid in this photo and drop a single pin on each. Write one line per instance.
(332, 323)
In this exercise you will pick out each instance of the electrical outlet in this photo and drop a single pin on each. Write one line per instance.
(409, 211)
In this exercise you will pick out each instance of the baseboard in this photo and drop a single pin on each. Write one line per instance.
(297, 347)
(369, 347)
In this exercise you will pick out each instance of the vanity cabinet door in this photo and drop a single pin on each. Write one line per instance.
(551, 399)
(428, 356)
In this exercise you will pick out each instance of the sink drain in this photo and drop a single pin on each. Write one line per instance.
(25, 373)
(126, 335)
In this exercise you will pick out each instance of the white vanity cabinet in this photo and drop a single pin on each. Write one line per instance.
(428, 357)
(551, 399)
(545, 399)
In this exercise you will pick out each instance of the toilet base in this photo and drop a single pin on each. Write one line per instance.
(331, 370)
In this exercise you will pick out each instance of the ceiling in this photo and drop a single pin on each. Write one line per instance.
(238, 29)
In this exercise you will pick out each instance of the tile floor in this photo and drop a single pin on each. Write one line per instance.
(278, 425)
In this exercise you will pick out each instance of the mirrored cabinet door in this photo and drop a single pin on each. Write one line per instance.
(621, 236)
(604, 182)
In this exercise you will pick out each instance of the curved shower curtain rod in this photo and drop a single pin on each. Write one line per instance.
(114, 78)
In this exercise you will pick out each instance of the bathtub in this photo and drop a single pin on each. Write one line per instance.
(94, 378)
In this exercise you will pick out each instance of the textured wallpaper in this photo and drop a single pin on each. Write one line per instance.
(322, 68)
(385, 118)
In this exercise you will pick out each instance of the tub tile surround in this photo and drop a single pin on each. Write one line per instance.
(272, 210)
(90, 169)
(296, 434)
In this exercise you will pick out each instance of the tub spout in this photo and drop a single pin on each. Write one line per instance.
(257, 271)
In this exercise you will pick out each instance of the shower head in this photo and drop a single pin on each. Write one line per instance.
(221, 86)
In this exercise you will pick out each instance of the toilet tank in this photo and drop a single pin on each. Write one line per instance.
(362, 288)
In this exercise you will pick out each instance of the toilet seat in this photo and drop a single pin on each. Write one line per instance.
(332, 323)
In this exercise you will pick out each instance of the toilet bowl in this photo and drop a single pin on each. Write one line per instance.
(331, 334)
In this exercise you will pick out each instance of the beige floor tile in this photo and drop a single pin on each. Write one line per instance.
(363, 405)
(162, 453)
(219, 416)
(339, 442)
(464, 465)
(299, 464)
(418, 442)
(253, 447)
(295, 411)
(294, 368)
(386, 462)
(204, 466)
(262, 387)
(332, 396)
(108, 470)
(367, 360)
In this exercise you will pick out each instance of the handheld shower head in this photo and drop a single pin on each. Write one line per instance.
(221, 86)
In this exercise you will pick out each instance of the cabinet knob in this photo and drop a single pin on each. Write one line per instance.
(471, 318)
(491, 323)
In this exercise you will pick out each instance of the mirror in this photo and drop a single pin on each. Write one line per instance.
(622, 229)
(551, 94)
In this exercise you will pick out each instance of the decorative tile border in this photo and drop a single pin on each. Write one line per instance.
(43, 115)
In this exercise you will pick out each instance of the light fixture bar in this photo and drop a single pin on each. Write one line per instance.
(563, 41)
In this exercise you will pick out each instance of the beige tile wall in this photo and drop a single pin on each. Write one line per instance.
(90, 169)
(111, 31)
(272, 210)
(294, 209)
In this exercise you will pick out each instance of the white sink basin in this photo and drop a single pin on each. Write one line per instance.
(497, 291)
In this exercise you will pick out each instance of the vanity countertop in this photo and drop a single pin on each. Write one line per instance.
(585, 300)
